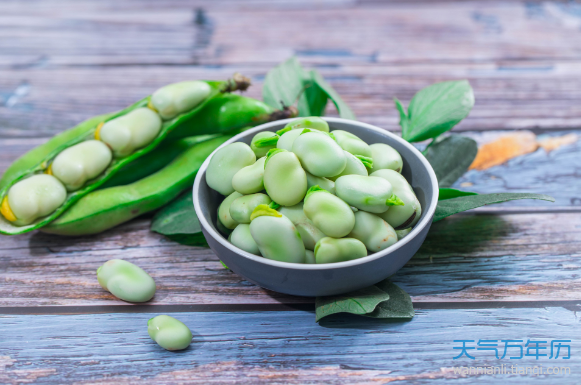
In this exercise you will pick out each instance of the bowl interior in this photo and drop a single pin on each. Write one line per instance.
(416, 170)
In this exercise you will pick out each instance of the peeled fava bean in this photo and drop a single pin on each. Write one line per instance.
(250, 179)
(130, 132)
(225, 163)
(330, 214)
(169, 333)
(80, 163)
(319, 154)
(177, 98)
(332, 250)
(285, 180)
(33, 198)
(262, 143)
(224, 216)
(368, 193)
(311, 122)
(351, 143)
(276, 236)
(375, 233)
(310, 234)
(242, 207)
(242, 239)
(126, 281)
(385, 158)
(353, 166)
(285, 142)
(400, 217)
(324, 183)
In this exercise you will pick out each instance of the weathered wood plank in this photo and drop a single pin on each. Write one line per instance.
(527, 257)
(281, 348)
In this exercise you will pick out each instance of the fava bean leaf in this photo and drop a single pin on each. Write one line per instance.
(344, 111)
(449, 193)
(435, 110)
(450, 157)
(452, 206)
(178, 221)
(399, 304)
(356, 302)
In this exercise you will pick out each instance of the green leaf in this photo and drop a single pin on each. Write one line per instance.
(450, 157)
(316, 96)
(436, 109)
(178, 222)
(452, 206)
(403, 118)
(342, 107)
(399, 304)
(283, 84)
(357, 302)
(448, 193)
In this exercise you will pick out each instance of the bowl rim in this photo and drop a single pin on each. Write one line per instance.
(425, 221)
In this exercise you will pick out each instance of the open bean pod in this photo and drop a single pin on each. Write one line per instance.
(41, 159)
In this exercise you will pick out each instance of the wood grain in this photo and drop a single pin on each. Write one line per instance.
(279, 348)
(526, 257)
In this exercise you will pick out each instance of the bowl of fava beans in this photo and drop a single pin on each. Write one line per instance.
(315, 206)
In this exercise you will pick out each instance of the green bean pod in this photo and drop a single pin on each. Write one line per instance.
(332, 250)
(103, 209)
(352, 143)
(368, 193)
(330, 214)
(400, 217)
(310, 234)
(285, 180)
(375, 233)
(319, 154)
(39, 160)
(242, 239)
(224, 216)
(250, 179)
(353, 166)
(276, 236)
(385, 157)
(225, 163)
(242, 207)
(169, 333)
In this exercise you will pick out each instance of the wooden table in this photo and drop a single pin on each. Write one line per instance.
(509, 271)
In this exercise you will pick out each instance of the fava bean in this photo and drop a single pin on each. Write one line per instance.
(310, 234)
(324, 183)
(130, 132)
(332, 250)
(126, 281)
(81, 162)
(385, 157)
(351, 143)
(263, 142)
(286, 140)
(276, 236)
(32, 198)
(174, 99)
(401, 217)
(368, 193)
(319, 154)
(225, 163)
(311, 122)
(353, 166)
(224, 215)
(401, 234)
(375, 233)
(250, 179)
(242, 239)
(242, 207)
(310, 257)
(285, 180)
(330, 214)
(169, 333)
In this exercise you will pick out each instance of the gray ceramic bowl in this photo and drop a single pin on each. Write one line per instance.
(331, 278)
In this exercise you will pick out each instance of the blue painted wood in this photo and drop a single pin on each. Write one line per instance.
(284, 347)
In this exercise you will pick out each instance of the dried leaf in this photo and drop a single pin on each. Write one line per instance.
(503, 149)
